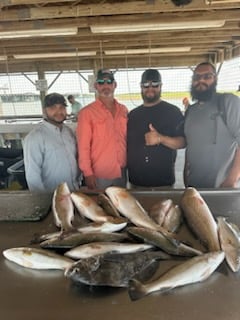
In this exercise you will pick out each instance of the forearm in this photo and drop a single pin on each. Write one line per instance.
(234, 173)
(172, 142)
(153, 137)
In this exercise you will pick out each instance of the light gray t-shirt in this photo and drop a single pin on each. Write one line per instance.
(212, 143)
(50, 158)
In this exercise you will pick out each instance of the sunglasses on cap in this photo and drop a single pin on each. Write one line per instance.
(102, 81)
(204, 76)
(153, 84)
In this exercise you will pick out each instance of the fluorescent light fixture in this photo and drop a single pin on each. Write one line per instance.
(38, 33)
(3, 58)
(150, 50)
(220, 1)
(157, 26)
(54, 55)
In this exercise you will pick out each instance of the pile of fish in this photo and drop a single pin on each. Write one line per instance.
(121, 244)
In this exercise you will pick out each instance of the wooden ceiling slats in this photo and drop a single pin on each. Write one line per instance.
(213, 44)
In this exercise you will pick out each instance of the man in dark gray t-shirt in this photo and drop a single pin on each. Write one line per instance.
(212, 131)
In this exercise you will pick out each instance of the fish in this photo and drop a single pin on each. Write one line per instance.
(107, 205)
(88, 208)
(75, 239)
(92, 249)
(35, 258)
(90, 227)
(173, 219)
(166, 214)
(230, 243)
(200, 218)
(107, 226)
(159, 210)
(194, 270)
(62, 207)
(37, 238)
(129, 207)
(235, 228)
(168, 245)
(114, 270)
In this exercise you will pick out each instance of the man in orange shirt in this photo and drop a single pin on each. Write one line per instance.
(101, 136)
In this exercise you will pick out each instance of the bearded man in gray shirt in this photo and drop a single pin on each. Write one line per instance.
(212, 131)
(50, 153)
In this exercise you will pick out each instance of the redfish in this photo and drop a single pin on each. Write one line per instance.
(200, 218)
(194, 270)
(62, 207)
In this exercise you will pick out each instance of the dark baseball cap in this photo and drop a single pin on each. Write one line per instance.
(54, 98)
(104, 73)
(151, 75)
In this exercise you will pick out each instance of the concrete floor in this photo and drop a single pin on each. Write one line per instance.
(179, 168)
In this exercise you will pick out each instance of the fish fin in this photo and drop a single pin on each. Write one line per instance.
(136, 290)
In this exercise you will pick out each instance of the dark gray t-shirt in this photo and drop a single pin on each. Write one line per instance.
(211, 143)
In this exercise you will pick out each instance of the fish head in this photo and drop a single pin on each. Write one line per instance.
(83, 269)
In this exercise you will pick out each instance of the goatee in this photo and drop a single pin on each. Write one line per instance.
(203, 95)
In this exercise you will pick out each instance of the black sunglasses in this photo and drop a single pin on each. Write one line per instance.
(148, 84)
(204, 76)
(102, 81)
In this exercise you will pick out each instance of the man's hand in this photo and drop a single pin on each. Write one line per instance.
(90, 182)
(152, 137)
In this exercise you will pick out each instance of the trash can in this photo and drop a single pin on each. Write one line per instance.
(17, 172)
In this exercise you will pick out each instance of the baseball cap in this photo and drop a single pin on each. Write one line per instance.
(54, 98)
(151, 75)
(105, 73)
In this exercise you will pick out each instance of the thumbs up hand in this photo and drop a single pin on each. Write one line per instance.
(152, 137)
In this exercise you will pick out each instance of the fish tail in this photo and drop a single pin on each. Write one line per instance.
(136, 290)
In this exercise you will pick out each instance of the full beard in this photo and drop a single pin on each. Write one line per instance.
(152, 99)
(203, 95)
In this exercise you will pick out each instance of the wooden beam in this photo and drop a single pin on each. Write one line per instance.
(106, 10)
(100, 8)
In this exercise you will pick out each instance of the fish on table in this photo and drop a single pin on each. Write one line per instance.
(200, 219)
(90, 227)
(194, 270)
(62, 207)
(114, 270)
(159, 210)
(107, 226)
(130, 207)
(88, 208)
(107, 205)
(35, 258)
(230, 243)
(173, 219)
(97, 248)
(169, 245)
(166, 214)
(75, 239)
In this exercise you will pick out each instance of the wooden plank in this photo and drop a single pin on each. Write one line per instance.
(107, 10)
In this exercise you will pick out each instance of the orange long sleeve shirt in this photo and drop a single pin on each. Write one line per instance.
(102, 140)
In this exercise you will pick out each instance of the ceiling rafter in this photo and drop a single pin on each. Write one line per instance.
(35, 16)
